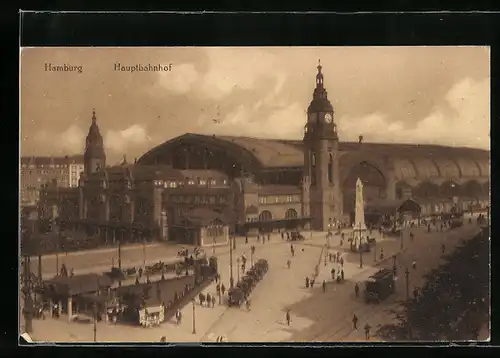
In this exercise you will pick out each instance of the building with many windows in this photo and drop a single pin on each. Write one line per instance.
(38, 171)
(247, 183)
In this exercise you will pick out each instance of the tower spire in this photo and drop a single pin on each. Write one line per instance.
(94, 148)
(319, 76)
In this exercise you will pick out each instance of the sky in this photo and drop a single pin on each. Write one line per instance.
(429, 95)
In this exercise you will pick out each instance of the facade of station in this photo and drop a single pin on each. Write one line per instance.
(243, 183)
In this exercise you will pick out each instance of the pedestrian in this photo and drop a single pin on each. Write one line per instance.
(333, 273)
(367, 331)
(213, 301)
(443, 248)
(411, 236)
(209, 299)
(356, 289)
(342, 274)
(223, 289)
(137, 280)
(342, 262)
(246, 239)
(330, 257)
(307, 282)
(268, 237)
(178, 317)
(414, 264)
(282, 235)
(355, 322)
(258, 239)
(381, 253)
(415, 293)
(324, 285)
(72, 273)
(289, 263)
(288, 317)
(312, 283)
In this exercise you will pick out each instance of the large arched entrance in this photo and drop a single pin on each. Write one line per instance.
(374, 185)
(265, 216)
(403, 190)
(472, 189)
(450, 189)
(426, 189)
(291, 214)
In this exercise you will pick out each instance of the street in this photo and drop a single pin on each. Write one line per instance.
(315, 315)
(334, 310)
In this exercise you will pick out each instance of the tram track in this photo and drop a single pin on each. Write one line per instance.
(421, 252)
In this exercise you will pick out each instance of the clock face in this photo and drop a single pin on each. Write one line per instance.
(328, 118)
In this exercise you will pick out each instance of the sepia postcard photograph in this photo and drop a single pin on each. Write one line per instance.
(254, 194)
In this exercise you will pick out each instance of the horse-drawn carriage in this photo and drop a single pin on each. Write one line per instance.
(244, 287)
(236, 297)
(296, 236)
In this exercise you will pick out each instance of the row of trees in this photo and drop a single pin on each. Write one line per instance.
(453, 304)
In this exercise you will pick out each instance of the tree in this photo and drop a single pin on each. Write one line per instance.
(453, 304)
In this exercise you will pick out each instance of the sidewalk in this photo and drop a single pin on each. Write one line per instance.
(126, 247)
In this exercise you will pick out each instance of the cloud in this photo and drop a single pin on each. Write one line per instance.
(71, 140)
(244, 71)
(180, 80)
(464, 120)
(121, 141)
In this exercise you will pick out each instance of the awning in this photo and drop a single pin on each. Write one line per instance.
(276, 223)
(387, 207)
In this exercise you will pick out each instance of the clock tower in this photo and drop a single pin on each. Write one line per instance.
(321, 160)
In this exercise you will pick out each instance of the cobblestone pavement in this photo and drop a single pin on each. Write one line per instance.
(315, 315)
(335, 308)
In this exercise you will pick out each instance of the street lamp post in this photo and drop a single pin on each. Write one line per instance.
(144, 251)
(57, 257)
(119, 260)
(360, 256)
(95, 322)
(28, 302)
(194, 316)
(213, 245)
(401, 237)
(238, 270)
(231, 279)
(407, 275)
(234, 241)
(394, 269)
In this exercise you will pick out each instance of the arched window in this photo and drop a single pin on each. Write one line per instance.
(330, 168)
(291, 214)
(265, 216)
(313, 168)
